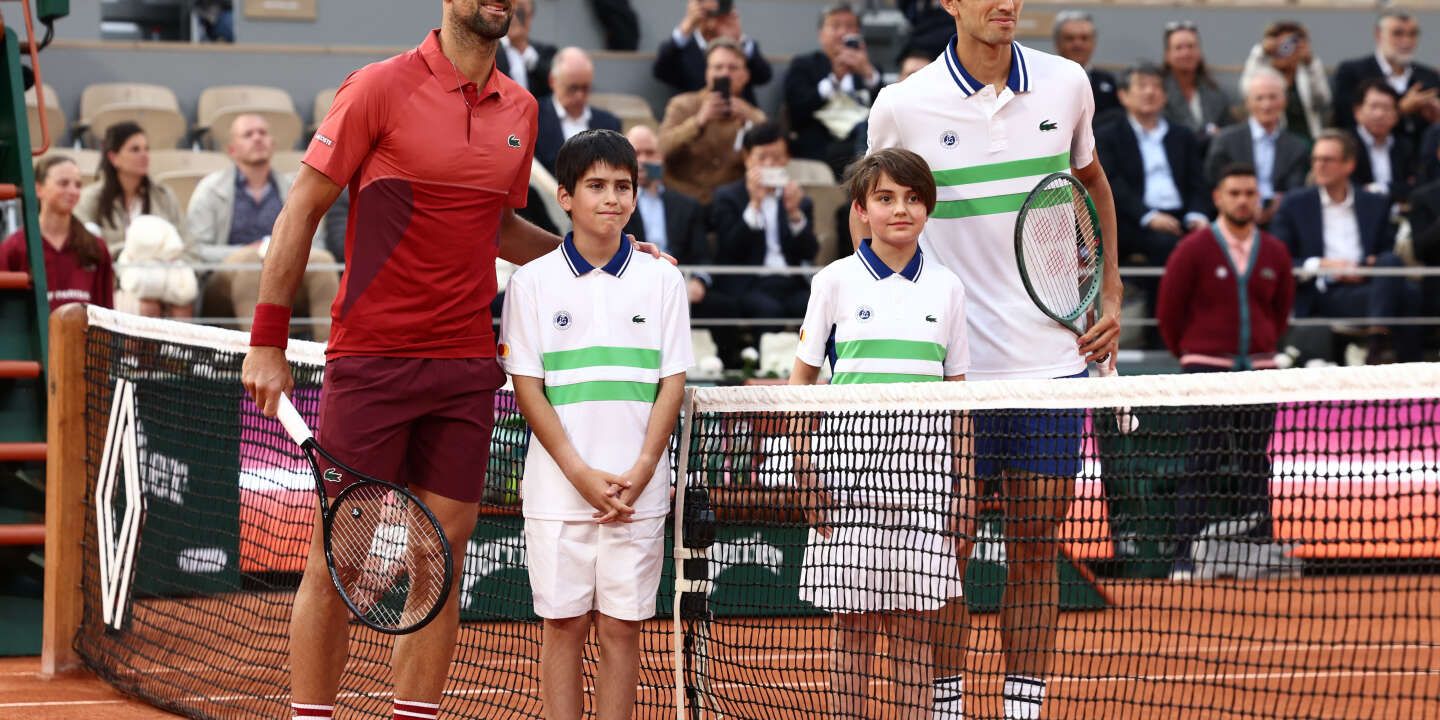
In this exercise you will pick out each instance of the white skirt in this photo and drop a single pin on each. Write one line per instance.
(879, 559)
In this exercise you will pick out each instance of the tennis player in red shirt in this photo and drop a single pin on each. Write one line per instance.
(435, 146)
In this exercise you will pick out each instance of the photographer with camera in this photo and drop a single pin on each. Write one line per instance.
(829, 92)
(681, 61)
(765, 220)
(700, 134)
(1285, 48)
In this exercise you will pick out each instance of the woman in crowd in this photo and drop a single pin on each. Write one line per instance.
(124, 193)
(77, 265)
(1286, 47)
(1192, 97)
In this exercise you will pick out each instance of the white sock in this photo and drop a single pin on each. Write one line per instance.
(1023, 697)
(950, 698)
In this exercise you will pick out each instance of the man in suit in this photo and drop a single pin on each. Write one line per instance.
(1397, 35)
(765, 220)
(1154, 168)
(1279, 157)
(675, 223)
(681, 61)
(821, 86)
(1386, 163)
(1425, 239)
(1333, 228)
(700, 134)
(521, 59)
(567, 111)
(1074, 36)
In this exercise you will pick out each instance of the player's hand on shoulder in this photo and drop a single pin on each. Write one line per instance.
(651, 249)
(265, 375)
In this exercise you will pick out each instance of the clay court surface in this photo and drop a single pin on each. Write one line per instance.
(1345, 647)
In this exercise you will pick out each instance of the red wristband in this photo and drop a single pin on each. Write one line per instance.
(271, 326)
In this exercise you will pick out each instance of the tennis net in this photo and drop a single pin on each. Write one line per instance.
(1303, 506)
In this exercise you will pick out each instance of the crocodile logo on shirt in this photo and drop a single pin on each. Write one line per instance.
(332, 475)
(1047, 126)
(638, 319)
(931, 318)
(513, 141)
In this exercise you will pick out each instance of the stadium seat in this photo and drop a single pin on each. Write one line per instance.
(154, 107)
(323, 100)
(54, 117)
(777, 353)
(287, 162)
(218, 107)
(828, 199)
(545, 184)
(631, 109)
(181, 183)
(194, 161)
(87, 160)
(810, 172)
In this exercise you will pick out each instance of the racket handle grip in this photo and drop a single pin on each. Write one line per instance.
(294, 424)
(1125, 420)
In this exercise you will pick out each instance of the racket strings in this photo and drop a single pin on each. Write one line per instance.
(1061, 248)
(388, 555)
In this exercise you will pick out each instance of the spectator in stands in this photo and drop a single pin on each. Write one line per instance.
(683, 59)
(126, 192)
(1192, 97)
(231, 214)
(1286, 49)
(1201, 306)
(523, 60)
(1154, 168)
(828, 92)
(700, 135)
(1386, 163)
(567, 112)
(217, 19)
(77, 265)
(1425, 240)
(1074, 35)
(765, 220)
(125, 189)
(675, 223)
(930, 26)
(912, 60)
(1397, 35)
(1279, 158)
(1335, 226)
(1428, 163)
(619, 23)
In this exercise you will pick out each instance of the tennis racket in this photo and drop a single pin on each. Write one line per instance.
(387, 554)
(1060, 255)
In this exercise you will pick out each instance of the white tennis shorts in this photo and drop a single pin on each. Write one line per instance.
(879, 559)
(576, 567)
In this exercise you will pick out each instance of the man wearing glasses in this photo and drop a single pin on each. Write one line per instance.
(1397, 36)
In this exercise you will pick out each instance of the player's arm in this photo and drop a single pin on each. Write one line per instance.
(1103, 338)
(265, 373)
(962, 485)
(522, 241)
(592, 484)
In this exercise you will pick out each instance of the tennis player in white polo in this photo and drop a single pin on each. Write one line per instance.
(992, 118)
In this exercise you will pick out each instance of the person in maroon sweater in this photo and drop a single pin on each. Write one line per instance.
(77, 265)
(1224, 304)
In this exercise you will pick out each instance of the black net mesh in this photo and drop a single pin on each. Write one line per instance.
(1230, 559)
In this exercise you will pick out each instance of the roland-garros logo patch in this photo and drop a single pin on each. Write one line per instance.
(322, 138)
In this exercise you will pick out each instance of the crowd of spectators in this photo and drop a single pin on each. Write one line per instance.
(1346, 165)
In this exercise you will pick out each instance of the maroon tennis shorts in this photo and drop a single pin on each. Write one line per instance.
(420, 422)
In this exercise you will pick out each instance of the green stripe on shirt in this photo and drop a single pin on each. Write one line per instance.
(601, 390)
(992, 205)
(1009, 170)
(601, 356)
(890, 350)
(869, 378)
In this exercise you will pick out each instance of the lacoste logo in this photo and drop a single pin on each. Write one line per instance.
(638, 319)
(930, 318)
(1047, 126)
(332, 475)
(513, 141)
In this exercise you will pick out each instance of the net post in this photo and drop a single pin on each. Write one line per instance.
(682, 477)
(65, 490)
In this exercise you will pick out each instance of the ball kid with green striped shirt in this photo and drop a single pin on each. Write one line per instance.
(891, 517)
